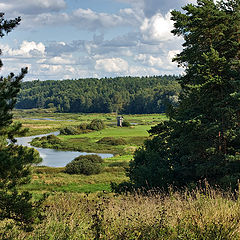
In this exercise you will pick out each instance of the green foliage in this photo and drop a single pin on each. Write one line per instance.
(69, 130)
(126, 124)
(96, 124)
(201, 139)
(87, 165)
(121, 94)
(112, 141)
(50, 141)
(15, 161)
(83, 126)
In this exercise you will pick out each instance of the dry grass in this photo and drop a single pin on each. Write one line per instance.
(207, 214)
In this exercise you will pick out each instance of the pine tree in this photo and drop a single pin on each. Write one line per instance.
(202, 138)
(15, 161)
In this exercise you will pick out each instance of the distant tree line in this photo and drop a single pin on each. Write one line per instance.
(133, 95)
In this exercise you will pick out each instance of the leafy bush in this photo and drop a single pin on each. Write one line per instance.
(96, 124)
(126, 124)
(53, 139)
(83, 126)
(69, 131)
(50, 141)
(112, 141)
(87, 165)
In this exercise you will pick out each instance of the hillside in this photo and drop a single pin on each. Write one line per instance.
(132, 95)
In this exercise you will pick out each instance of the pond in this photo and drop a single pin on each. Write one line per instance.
(52, 157)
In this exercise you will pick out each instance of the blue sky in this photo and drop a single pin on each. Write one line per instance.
(68, 39)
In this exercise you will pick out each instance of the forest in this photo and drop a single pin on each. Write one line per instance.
(130, 95)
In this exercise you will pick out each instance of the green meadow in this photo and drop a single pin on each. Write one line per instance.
(47, 179)
(83, 207)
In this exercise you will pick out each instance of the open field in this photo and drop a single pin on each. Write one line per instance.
(49, 121)
(46, 179)
(134, 137)
(45, 122)
(49, 179)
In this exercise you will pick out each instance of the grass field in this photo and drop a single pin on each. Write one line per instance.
(200, 215)
(68, 119)
(82, 207)
(45, 122)
(46, 179)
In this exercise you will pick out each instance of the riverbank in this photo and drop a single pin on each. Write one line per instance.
(112, 139)
(47, 179)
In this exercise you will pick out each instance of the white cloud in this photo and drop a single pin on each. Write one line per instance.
(143, 71)
(59, 60)
(150, 60)
(88, 19)
(112, 65)
(155, 62)
(157, 28)
(130, 41)
(171, 54)
(32, 6)
(26, 50)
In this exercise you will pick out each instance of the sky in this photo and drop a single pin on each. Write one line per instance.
(72, 39)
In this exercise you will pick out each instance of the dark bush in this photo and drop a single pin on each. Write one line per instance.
(70, 130)
(92, 157)
(83, 126)
(126, 124)
(112, 141)
(87, 165)
(123, 187)
(53, 139)
(96, 124)
(50, 141)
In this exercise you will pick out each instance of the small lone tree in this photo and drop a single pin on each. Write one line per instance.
(15, 161)
(201, 140)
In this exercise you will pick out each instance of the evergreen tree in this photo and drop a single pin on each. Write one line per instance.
(15, 161)
(202, 138)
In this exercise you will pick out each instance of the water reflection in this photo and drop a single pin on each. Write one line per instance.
(52, 157)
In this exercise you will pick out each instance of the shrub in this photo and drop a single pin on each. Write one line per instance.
(50, 141)
(53, 139)
(96, 124)
(112, 141)
(92, 157)
(126, 124)
(87, 165)
(83, 126)
(69, 131)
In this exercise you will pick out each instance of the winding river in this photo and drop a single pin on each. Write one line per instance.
(52, 157)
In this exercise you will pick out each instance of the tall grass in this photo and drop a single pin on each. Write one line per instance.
(200, 214)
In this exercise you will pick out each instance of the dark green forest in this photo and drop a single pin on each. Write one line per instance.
(131, 95)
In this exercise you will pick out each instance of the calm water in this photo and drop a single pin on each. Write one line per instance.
(55, 158)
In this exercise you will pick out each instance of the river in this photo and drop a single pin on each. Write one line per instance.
(52, 157)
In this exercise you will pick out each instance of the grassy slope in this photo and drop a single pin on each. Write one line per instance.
(185, 215)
